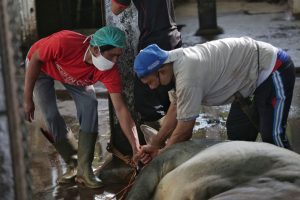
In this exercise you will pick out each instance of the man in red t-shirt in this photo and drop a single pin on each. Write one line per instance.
(77, 62)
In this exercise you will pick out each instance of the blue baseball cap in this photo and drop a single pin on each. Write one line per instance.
(149, 60)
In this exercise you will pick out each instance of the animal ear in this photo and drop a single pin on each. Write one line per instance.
(148, 132)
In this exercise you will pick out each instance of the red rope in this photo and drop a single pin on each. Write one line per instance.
(110, 148)
(126, 188)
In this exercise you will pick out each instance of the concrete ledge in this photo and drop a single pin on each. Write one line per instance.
(63, 94)
(295, 6)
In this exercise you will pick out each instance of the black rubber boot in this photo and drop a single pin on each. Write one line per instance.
(68, 152)
(86, 147)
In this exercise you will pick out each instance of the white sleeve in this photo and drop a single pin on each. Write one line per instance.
(188, 102)
(172, 96)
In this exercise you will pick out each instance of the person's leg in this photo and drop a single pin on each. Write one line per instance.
(274, 98)
(45, 98)
(86, 105)
(238, 125)
(87, 113)
(44, 95)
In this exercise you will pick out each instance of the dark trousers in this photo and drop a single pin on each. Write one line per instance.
(272, 101)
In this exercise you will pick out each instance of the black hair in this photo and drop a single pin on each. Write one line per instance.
(106, 48)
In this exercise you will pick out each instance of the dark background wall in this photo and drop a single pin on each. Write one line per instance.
(56, 15)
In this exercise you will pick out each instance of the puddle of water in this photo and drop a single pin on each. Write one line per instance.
(211, 123)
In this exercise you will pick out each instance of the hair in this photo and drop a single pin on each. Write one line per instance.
(106, 48)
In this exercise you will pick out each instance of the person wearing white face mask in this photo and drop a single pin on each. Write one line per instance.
(101, 63)
(77, 62)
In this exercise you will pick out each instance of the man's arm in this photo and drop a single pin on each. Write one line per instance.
(168, 125)
(32, 72)
(118, 6)
(182, 132)
(127, 124)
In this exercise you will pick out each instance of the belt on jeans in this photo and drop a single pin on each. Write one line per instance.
(282, 57)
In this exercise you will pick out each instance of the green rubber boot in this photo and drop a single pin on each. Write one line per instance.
(85, 175)
(68, 151)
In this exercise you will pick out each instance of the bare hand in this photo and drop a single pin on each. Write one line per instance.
(141, 156)
(150, 150)
(29, 110)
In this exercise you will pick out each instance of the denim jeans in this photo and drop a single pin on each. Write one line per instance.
(85, 102)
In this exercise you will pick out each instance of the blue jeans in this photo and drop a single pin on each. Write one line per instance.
(85, 101)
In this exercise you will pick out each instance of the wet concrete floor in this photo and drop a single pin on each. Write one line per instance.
(236, 20)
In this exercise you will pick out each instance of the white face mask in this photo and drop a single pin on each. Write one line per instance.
(101, 63)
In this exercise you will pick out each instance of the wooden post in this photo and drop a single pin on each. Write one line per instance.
(207, 13)
(13, 170)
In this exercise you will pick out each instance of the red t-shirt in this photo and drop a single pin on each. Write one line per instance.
(62, 56)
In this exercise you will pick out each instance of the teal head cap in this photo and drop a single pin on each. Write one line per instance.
(149, 60)
(109, 35)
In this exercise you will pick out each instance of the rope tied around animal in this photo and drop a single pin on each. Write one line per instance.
(127, 160)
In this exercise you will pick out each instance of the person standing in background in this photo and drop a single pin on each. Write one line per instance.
(156, 21)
